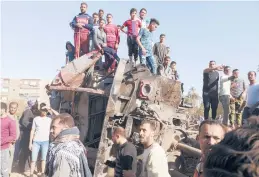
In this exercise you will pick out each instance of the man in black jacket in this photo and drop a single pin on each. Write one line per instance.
(126, 155)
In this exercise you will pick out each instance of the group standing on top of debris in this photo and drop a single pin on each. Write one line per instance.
(96, 33)
(225, 152)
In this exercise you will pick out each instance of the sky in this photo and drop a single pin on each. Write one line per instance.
(33, 35)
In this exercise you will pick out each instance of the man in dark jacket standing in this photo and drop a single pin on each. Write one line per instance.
(210, 89)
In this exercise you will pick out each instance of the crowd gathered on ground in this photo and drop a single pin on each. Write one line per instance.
(229, 148)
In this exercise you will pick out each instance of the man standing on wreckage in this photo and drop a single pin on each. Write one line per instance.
(82, 25)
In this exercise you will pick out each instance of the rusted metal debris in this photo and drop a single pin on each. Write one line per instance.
(78, 89)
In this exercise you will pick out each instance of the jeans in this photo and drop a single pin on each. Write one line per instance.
(246, 114)
(36, 147)
(210, 101)
(150, 62)
(5, 156)
(225, 100)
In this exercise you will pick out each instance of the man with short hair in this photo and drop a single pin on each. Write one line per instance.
(66, 156)
(237, 92)
(101, 14)
(224, 93)
(154, 158)
(112, 33)
(165, 70)
(126, 156)
(82, 25)
(210, 89)
(39, 139)
(142, 17)
(13, 106)
(133, 26)
(144, 40)
(160, 50)
(210, 133)
(8, 136)
(175, 75)
(251, 102)
(95, 17)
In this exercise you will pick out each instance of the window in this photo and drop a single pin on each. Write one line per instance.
(4, 89)
(6, 81)
(4, 98)
(33, 83)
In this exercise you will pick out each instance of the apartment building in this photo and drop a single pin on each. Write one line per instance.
(23, 89)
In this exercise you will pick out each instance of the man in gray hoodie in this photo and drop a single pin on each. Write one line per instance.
(67, 155)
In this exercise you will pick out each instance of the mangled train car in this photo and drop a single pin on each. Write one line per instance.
(100, 101)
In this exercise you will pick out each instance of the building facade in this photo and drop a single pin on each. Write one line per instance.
(23, 90)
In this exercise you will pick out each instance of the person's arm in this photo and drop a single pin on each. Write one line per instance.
(244, 89)
(12, 133)
(32, 135)
(124, 25)
(139, 42)
(89, 26)
(155, 51)
(73, 24)
(225, 79)
(217, 68)
(105, 40)
(95, 41)
(67, 59)
(61, 168)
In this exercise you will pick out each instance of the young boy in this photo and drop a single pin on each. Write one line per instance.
(133, 26)
(144, 40)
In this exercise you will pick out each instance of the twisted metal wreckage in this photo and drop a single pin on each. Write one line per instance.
(100, 102)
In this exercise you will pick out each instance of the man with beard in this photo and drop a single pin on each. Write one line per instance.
(154, 158)
(126, 156)
(8, 136)
(25, 129)
(82, 25)
(67, 154)
(13, 106)
(251, 103)
(210, 133)
(95, 26)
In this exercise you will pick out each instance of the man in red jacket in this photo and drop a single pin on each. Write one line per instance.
(8, 136)
(82, 25)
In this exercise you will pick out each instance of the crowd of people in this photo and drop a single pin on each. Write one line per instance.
(238, 100)
(225, 152)
(96, 33)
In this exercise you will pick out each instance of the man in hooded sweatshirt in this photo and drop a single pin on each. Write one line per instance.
(67, 155)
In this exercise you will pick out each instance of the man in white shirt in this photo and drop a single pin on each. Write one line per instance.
(154, 158)
(252, 98)
(224, 93)
(39, 139)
